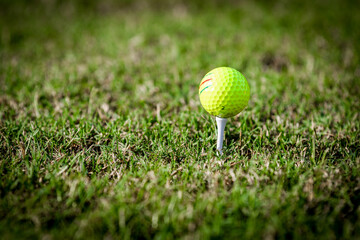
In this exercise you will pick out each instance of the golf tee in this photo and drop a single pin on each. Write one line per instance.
(220, 122)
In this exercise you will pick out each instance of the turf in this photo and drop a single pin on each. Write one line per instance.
(102, 134)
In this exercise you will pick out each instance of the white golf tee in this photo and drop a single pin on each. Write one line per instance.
(220, 122)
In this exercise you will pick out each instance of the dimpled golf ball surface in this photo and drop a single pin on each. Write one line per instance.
(224, 92)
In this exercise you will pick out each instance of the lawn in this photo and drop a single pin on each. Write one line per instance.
(102, 134)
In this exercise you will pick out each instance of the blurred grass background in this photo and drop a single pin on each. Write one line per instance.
(102, 134)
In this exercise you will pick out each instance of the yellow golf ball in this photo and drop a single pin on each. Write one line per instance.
(224, 92)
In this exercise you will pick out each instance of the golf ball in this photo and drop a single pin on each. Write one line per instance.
(224, 92)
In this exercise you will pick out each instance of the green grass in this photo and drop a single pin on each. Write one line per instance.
(102, 134)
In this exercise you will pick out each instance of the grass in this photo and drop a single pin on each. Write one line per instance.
(102, 134)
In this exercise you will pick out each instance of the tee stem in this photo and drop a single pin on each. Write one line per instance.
(221, 122)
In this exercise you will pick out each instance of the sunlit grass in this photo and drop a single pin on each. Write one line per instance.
(102, 133)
